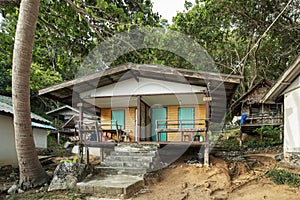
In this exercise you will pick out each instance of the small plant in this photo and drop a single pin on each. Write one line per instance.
(280, 176)
(269, 132)
(270, 136)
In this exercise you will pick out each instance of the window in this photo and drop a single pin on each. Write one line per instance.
(119, 116)
(186, 117)
(254, 109)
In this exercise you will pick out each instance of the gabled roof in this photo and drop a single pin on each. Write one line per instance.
(275, 93)
(68, 92)
(60, 109)
(6, 107)
(238, 102)
(63, 92)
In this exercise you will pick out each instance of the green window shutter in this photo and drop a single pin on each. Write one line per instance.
(158, 114)
(118, 115)
(186, 116)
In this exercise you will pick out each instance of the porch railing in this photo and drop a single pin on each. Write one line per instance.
(90, 131)
(187, 128)
(264, 119)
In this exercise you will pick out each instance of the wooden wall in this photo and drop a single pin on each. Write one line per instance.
(172, 114)
(129, 118)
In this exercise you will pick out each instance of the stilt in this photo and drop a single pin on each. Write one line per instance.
(207, 99)
(87, 156)
(206, 146)
(241, 137)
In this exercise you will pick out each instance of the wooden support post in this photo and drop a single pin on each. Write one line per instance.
(206, 150)
(80, 149)
(241, 136)
(99, 139)
(87, 155)
(80, 107)
(58, 138)
(117, 131)
(207, 120)
(138, 128)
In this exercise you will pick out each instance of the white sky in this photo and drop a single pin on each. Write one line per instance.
(168, 8)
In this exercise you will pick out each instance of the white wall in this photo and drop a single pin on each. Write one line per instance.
(8, 154)
(40, 137)
(292, 118)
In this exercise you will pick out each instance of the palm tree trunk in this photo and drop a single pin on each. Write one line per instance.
(31, 172)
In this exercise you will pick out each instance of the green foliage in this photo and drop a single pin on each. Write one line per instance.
(58, 150)
(41, 77)
(280, 176)
(231, 144)
(270, 135)
(64, 37)
(233, 34)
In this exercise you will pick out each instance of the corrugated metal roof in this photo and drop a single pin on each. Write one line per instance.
(6, 106)
(34, 124)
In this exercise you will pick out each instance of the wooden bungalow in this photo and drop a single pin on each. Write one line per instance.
(287, 91)
(258, 113)
(149, 104)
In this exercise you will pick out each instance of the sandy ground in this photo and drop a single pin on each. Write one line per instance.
(236, 180)
(223, 180)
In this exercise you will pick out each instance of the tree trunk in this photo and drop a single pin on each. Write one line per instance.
(31, 172)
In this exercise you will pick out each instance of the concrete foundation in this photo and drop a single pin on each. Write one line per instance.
(112, 185)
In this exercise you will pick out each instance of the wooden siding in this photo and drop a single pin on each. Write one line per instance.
(172, 114)
(130, 122)
(129, 119)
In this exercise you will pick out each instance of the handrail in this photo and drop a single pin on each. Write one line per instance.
(180, 123)
(198, 125)
(264, 118)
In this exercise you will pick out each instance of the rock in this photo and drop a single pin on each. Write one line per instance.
(20, 191)
(12, 189)
(279, 157)
(199, 165)
(68, 144)
(184, 185)
(66, 175)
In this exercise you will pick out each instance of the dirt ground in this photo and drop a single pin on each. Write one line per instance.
(234, 179)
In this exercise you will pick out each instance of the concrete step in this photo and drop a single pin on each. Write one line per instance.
(112, 185)
(120, 170)
(126, 164)
(133, 158)
(135, 148)
(141, 154)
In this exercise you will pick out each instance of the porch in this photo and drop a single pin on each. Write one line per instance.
(258, 120)
(104, 134)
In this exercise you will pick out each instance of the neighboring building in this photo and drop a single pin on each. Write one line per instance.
(258, 113)
(65, 121)
(287, 91)
(40, 128)
(63, 114)
(151, 104)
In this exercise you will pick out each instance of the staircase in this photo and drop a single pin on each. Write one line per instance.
(131, 159)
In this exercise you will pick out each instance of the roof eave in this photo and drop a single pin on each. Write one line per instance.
(283, 82)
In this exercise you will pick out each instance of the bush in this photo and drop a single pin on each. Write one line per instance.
(280, 176)
(270, 136)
